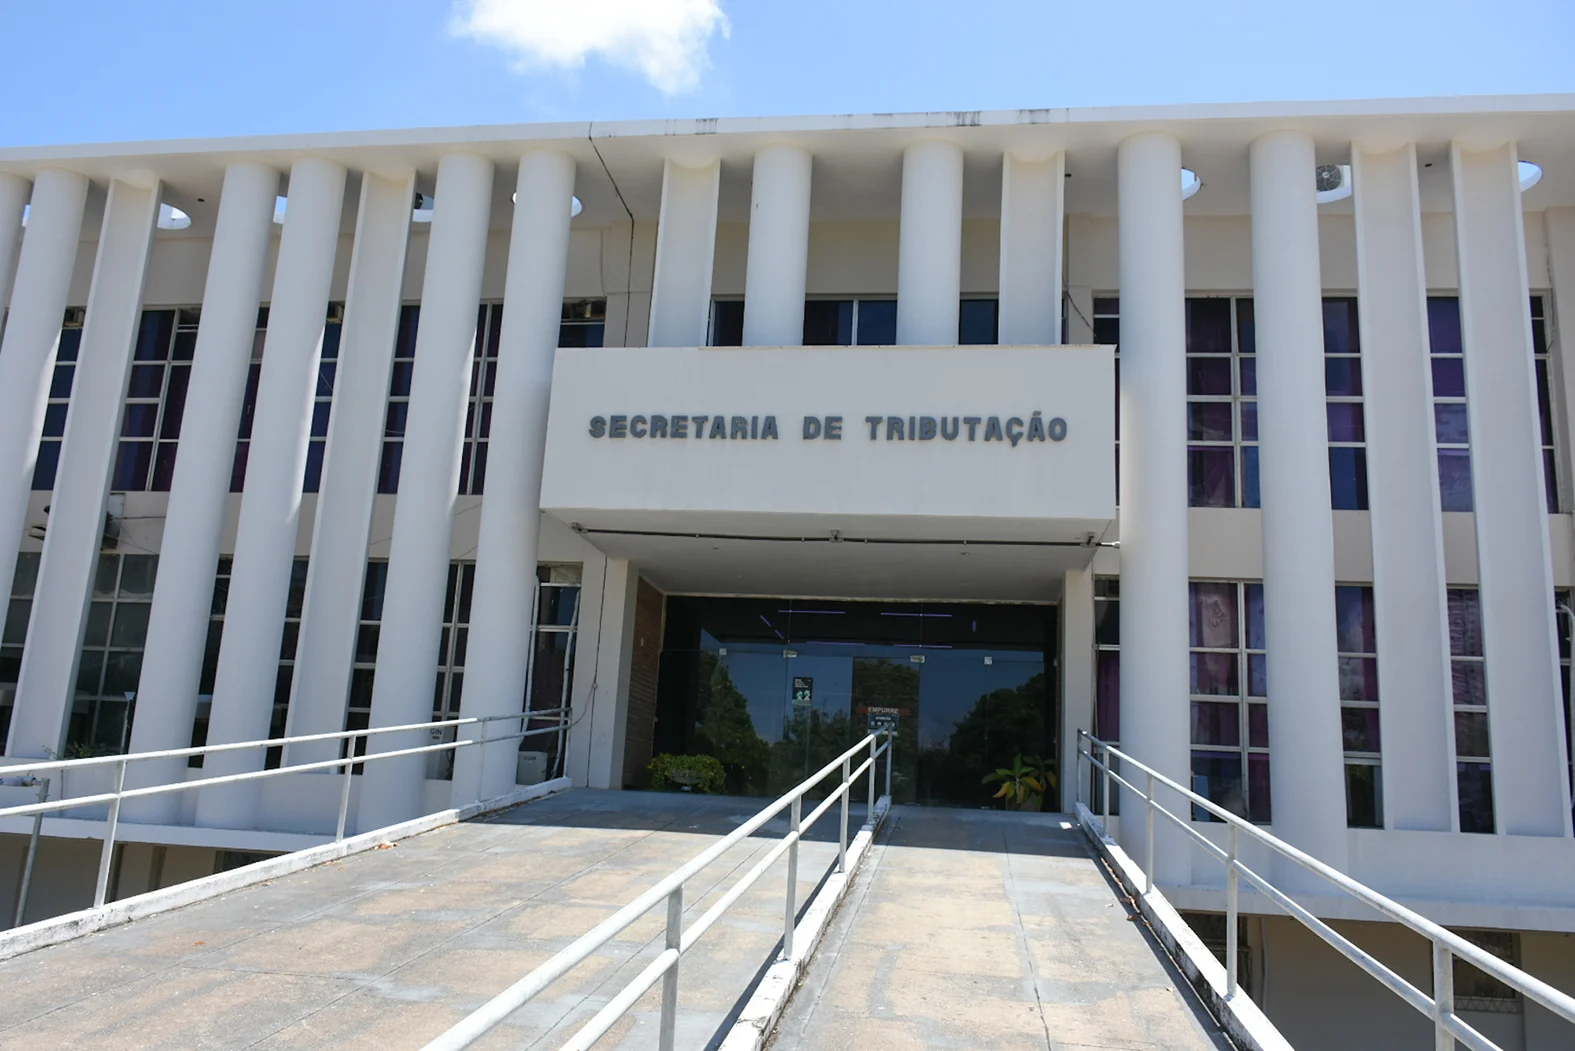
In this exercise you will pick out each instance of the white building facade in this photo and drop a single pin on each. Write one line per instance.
(1238, 435)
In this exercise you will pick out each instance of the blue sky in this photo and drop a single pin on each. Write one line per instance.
(107, 70)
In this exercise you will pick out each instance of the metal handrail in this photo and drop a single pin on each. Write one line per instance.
(347, 763)
(671, 889)
(1446, 945)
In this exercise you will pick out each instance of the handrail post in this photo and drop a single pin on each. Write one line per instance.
(1104, 801)
(1077, 768)
(891, 746)
(842, 836)
(344, 789)
(1231, 915)
(1148, 859)
(675, 935)
(481, 764)
(102, 890)
(32, 855)
(1443, 996)
(791, 910)
(869, 815)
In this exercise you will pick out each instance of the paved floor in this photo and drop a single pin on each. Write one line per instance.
(387, 949)
(968, 929)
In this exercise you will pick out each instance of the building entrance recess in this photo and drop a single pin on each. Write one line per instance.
(774, 688)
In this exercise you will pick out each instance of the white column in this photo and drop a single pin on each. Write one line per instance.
(929, 247)
(75, 534)
(1307, 768)
(608, 710)
(1402, 480)
(189, 554)
(418, 561)
(685, 251)
(13, 198)
(1077, 674)
(500, 610)
(27, 352)
(243, 689)
(778, 247)
(1031, 216)
(1525, 721)
(331, 608)
(1155, 714)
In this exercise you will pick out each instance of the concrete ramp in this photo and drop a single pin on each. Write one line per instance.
(970, 929)
(386, 949)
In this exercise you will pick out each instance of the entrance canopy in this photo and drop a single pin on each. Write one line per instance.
(933, 472)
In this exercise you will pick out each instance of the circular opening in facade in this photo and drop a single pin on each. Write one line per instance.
(1530, 175)
(575, 207)
(1190, 183)
(1334, 182)
(172, 218)
(422, 212)
(279, 205)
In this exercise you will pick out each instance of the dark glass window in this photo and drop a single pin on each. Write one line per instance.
(876, 322)
(1342, 370)
(828, 322)
(1230, 722)
(1468, 672)
(727, 323)
(978, 321)
(1449, 403)
(583, 324)
(399, 384)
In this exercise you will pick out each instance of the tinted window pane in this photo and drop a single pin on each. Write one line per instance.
(1208, 375)
(1363, 793)
(828, 322)
(1213, 615)
(1360, 729)
(1209, 421)
(977, 321)
(727, 323)
(1476, 796)
(1342, 376)
(1246, 335)
(1208, 326)
(1443, 326)
(1211, 478)
(1216, 723)
(1339, 327)
(1249, 477)
(1454, 479)
(877, 322)
(1449, 423)
(1348, 479)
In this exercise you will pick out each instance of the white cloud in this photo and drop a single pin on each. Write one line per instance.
(663, 40)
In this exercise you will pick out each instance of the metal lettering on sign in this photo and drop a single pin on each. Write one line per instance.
(803, 691)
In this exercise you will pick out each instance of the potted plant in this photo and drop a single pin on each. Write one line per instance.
(1023, 784)
(687, 773)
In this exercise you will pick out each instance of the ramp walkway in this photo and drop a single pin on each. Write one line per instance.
(970, 929)
(386, 949)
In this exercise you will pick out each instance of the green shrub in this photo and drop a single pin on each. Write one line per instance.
(687, 773)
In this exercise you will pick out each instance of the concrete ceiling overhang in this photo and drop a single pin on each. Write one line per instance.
(858, 158)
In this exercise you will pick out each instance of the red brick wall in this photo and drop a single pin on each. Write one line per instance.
(640, 734)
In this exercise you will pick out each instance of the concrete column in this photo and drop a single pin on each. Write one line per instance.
(75, 534)
(500, 611)
(929, 248)
(13, 198)
(331, 609)
(685, 251)
(1031, 216)
(1525, 720)
(27, 351)
(1402, 480)
(1155, 714)
(418, 561)
(1305, 743)
(243, 689)
(608, 712)
(189, 554)
(1077, 673)
(778, 247)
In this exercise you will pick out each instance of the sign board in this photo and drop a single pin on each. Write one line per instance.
(803, 691)
(880, 720)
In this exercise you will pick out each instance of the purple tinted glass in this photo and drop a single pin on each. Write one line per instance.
(1107, 713)
(1454, 479)
(1216, 723)
(1257, 638)
(1258, 788)
(1211, 477)
(1358, 679)
(1213, 615)
(1249, 376)
(1246, 335)
(1257, 675)
(1258, 725)
(1249, 421)
(1468, 682)
(1450, 423)
(1471, 733)
(1342, 376)
(1208, 326)
(1249, 476)
(1443, 325)
(1354, 619)
(1345, 422)
(1208, 376)
(1465, 622)
(1475, 781)
(1216, 776)
(1214, 675)
(1348, 478)
(1449, 378)
(1209, 421)
(1360, 727)
(1340, 335)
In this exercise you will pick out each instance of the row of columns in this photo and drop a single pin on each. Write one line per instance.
(929, 254)
(271, 503)
(1515, 568)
